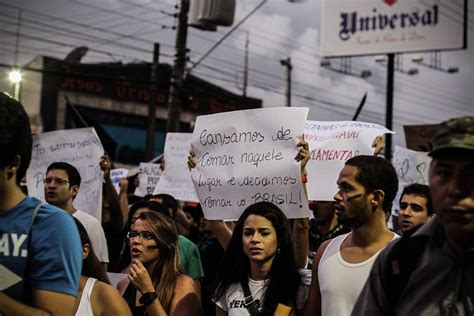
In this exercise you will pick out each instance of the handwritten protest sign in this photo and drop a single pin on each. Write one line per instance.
(79, 147)
(176, 179)
(148, 176)
(412, 167)
(246, 157)
(332, 143)
(116, 175)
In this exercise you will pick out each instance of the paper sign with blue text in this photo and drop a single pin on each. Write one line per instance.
(116, 175)
(78, 147)
(246, 157)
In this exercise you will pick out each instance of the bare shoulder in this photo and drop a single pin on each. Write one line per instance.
(107, 299)
(185, 284)
(186, 298)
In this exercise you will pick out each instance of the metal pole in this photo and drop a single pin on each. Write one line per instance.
(150, 135)
(246, 65)
(389, 110)
(289, 67)
(174, 101)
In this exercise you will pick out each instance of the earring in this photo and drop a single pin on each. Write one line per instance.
(278, 251)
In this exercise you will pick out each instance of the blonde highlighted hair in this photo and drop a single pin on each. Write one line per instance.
(167, 270)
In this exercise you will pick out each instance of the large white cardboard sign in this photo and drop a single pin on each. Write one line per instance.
(361, 27)
(412, 167)
(176, 179)
(148, 176)
(331, 144)
(246, 157)
(79, 147)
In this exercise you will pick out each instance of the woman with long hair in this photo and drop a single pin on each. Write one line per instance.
(155, 284)
(259, 275)
(95, 295)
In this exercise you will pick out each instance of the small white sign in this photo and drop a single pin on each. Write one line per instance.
(78, 147)
(331, 144)
(176, 178)
(361, 27)
(148, 176)
(246, 157)
(412, 167)
(116, 175)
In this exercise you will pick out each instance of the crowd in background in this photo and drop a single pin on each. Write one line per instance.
(173, 261)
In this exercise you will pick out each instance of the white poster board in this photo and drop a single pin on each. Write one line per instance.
(246, 157)
(412, 167)
(116, 175)
(361, 27)
(148, 176)
(78, 147)
(332, 143)
(176, 178)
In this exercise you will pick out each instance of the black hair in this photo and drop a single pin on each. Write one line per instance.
(91, 267)
(376, 173)
(168, 201)
(284, 277)
(72, 173)
(195, 212)
(420, 190)
(15, 135)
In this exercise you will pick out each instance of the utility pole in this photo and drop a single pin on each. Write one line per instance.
(389, 110)
(289, 67)
(246, 65)
(174, 100)
(150, 135)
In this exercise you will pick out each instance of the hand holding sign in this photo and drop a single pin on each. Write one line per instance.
(242, 158)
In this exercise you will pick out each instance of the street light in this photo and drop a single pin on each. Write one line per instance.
(15, 78)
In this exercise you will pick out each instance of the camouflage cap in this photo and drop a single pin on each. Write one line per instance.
(456, 133)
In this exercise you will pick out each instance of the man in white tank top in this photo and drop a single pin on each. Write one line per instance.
(367, 187)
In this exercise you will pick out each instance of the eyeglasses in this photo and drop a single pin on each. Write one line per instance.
(58, 181)
(143, 235)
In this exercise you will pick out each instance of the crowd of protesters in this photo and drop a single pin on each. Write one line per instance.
(171, 260)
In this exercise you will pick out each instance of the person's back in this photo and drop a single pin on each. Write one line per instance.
(40, 253)
(367, 186)
(95, 295)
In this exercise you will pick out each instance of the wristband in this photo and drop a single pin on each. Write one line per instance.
(304, 178)
(148, 298)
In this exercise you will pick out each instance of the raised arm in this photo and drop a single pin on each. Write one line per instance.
(115, 213)
(301, 225)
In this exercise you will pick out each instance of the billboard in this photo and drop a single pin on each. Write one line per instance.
(364, 27)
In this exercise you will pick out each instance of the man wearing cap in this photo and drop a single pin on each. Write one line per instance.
(432, 271)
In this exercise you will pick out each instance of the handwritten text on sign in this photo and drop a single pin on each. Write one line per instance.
(331, 145)
(412, 167)
(148, 177)
(176, 179)
(79, 147)
(246, 157)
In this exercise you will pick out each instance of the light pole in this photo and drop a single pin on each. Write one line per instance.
(15, 78)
